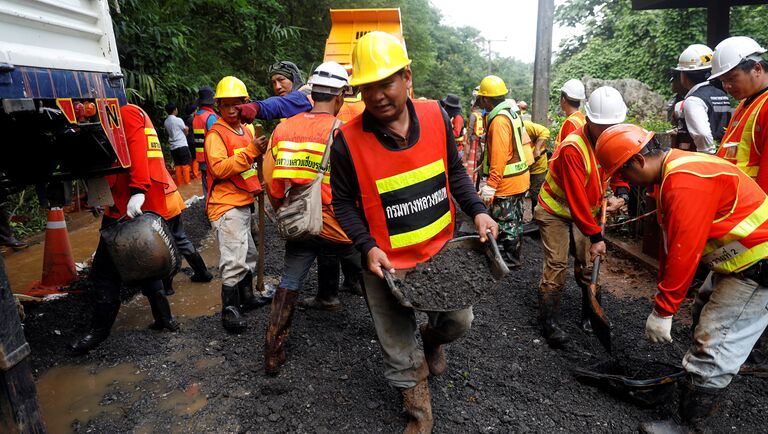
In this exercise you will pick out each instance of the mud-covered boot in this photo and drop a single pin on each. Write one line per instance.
(418, 406)
(201, 273)
(511, 253)
(433, 350)
(161, 312)
(327, 286)
(104, 315)
(549, 312)
(231, 318)
(278, 328)
(696, 405)
(248, 301)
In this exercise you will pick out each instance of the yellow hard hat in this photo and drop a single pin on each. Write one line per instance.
(492, 86)
(376, 56)
(231, 87)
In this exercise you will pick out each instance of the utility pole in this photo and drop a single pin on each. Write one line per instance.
(541, 66)
(488, 53)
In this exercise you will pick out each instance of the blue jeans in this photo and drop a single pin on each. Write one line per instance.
(300, 254)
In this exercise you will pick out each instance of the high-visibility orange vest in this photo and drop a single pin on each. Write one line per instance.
(553, 197)
(199, 129)
(298, 145)
(576, 120)
(236, 143)
(352, 107)
(405, 194)
(173, 200)
(738, 144)
(479, 123)
(738, 239)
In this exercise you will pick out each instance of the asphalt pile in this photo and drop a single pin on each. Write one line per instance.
(501, 377)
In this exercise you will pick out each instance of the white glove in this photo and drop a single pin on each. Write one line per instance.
(134, 205)
(657, 328)
(487, 193)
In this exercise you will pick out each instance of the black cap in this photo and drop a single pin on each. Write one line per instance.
(204, 96)
(451, 100)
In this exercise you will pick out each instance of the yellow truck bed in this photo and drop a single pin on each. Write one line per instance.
(348, 25)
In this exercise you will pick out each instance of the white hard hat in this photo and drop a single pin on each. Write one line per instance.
(513, 105)
(696, 57)
(574, 89)
(606, 106)
(329, 77)
(733, 51)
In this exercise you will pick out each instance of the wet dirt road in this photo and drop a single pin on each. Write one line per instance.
(501, 377)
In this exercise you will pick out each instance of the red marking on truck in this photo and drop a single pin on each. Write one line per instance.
(67, 109)
(109, 117)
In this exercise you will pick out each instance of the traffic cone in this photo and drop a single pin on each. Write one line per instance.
(58, 265)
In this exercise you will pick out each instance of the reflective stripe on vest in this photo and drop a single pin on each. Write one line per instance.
(553, 195)
(512, 168)
(154, 150)
(479, 124)
(405, 196)
(237, 143)
(576, 118)
(298, 160)
(739, 139)
(736, 250)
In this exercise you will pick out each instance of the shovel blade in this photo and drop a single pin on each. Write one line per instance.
(600, 324)
(499, 268)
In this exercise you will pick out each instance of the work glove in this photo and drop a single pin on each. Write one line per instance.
(134, 205)
(248, 112)
(487, 193)
(657, 328)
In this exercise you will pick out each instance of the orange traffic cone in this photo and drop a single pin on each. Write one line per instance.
(58, 265)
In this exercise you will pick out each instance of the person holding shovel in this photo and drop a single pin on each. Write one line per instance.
(295, 142)
(709, 211)
(569, 203)
(400, 153)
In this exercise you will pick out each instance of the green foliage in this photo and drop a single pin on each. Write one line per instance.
(619, 42)
(169, 48)
(27, 218)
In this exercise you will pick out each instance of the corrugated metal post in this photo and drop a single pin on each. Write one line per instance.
(541, 64)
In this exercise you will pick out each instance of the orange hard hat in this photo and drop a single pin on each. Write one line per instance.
(618, 144)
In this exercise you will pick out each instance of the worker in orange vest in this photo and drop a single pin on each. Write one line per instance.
(396, 152)
(738, 63)
(569, 202)
(230, 153)
(203, 120)
(452, 105)
(711, 211)
(175, 205)
(295, 141)
(506, 165)
(139, 189)
(571, 95)
(475, 138)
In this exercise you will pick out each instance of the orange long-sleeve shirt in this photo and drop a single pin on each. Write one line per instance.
(225, 195)
(502, 149)
(690, 204)
(567, 166)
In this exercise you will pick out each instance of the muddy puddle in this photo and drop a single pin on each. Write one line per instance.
(69, 393)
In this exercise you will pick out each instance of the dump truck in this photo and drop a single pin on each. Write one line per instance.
(61, 88)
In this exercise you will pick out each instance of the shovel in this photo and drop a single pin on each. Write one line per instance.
(499, 268)
(600, 324)
(262, 212)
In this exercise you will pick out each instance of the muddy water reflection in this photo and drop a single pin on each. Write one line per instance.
(69, 393)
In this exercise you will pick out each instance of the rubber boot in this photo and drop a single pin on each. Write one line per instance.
(247, 300)
(327, 286)
(278, 327)
(185, 173)
(433, 350)
(418, 406)
(696, 405)
(201, 273)
(549, 312)
(161, 312)
(511, 253)
(231, 318)
(179, 176)
(104, 315)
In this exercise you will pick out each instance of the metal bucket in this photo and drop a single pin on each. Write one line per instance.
(142, 248)
(649, 388)
(450, 296)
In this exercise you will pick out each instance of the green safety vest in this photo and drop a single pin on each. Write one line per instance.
(512, 168)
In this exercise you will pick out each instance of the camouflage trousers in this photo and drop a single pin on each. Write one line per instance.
(508, 213)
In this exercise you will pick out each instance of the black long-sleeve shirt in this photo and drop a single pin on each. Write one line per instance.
(346, 190)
